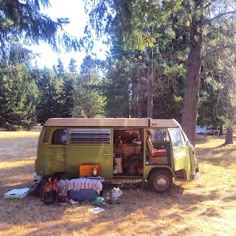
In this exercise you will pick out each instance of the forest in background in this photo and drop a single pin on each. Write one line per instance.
(166, 60)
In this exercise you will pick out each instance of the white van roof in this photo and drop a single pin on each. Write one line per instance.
(111, 122)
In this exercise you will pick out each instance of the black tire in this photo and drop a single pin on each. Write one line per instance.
(161, 181)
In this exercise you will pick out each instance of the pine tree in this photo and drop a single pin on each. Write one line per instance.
(60, 68)
(18, 98)
(72, 66)
(48, 106)
(66, 97)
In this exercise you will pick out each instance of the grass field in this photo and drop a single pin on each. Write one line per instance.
(204, 207)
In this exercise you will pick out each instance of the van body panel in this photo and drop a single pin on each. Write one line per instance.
(182, 160)
(164, 123)
(97, 122)
(182, 156)
(42, 160)
(56, 158)
(90, 154)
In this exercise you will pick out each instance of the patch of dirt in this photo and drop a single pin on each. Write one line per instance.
(203, 207)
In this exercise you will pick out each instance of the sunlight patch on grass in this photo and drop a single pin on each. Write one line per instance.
(11, 164)
(19, 134)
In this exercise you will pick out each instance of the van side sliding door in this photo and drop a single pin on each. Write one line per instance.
(90, 146)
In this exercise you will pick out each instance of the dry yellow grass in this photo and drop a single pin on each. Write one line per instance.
(203, 207)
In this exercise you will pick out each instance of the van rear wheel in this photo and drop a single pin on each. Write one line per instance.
(161, 181)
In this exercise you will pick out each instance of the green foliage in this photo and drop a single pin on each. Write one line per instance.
(48, 106)
(66, 97)
(18, 98)
(72, 66)
(88, 101)
(60, 68)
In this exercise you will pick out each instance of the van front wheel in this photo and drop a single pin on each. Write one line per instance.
(161, 181)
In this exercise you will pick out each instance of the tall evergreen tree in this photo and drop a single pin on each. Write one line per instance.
(88, 99)
(66, 97)
(60, 68)
(72, 66)
(48, 106)
(18, 98)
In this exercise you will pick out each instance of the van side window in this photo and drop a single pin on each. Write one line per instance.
(46, 135)
(90, 136)
(160, 135)
(176, 137)
(59, 136)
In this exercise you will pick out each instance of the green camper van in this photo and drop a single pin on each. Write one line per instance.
(117, 149)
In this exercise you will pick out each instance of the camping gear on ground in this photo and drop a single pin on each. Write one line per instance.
(86, 183)
(83, 195)
(37, 188)
(50, 191)
(16, 193)
(99, 201)
(96, 210)
(108, 197)
(116, 193)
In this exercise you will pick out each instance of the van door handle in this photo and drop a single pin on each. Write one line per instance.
(106, 155)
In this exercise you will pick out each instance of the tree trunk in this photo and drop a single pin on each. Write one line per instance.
(229, 135)
(150, 85)
(191, 96)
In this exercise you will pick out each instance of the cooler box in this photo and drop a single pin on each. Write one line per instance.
(85, 170)
(16, 193)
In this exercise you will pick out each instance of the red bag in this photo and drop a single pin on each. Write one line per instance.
(50, 191)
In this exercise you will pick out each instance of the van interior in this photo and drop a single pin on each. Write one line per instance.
(128, 152)
(129, 148)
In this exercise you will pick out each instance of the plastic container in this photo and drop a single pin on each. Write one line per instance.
(16, 193)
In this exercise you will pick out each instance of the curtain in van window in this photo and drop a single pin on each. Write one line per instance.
(90, 136)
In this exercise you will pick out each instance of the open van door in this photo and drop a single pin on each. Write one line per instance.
(181, 154)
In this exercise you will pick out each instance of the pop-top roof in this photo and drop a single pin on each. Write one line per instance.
(111, 122)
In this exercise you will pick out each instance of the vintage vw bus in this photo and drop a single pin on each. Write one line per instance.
(118, 149)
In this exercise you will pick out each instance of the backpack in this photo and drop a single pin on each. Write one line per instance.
(37, 188)
(50, 191)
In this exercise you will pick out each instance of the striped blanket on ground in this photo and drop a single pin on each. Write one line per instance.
(85, 183)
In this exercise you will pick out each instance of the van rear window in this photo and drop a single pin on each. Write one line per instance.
(46, 136)
(90, 136)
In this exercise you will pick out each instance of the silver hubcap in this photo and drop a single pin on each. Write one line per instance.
(162, 182)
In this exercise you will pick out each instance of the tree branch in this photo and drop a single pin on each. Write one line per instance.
(216, 50)
(218, 16)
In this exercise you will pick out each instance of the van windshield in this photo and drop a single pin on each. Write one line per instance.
(177, 137)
